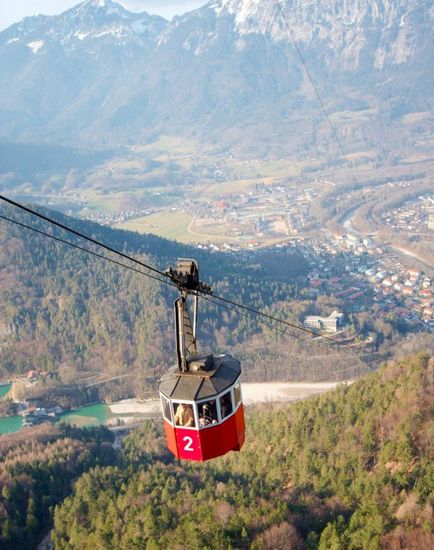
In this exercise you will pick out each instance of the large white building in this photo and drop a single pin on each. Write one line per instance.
(332, 323)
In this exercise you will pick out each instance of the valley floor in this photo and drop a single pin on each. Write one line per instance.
(252, 393)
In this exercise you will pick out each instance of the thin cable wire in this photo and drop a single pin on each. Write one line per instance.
(165, 281)
(272, 318)
(288, 333)
(81, 235)
(247, 316)
(94, 241)
(169, 283)
(321, 102)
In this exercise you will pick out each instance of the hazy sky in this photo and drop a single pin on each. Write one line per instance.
(12, 11)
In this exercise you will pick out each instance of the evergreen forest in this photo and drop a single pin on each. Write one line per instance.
(74, 316)
(351, 469)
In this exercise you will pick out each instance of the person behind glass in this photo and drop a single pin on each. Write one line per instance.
(184, 415)
(206, 417)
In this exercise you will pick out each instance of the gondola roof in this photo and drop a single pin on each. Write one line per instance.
(208, 376)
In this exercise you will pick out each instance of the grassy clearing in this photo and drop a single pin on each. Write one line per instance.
(170, 145)
(213, 232)
(368, 155)
(99, 202)
(213, 189)
(416, 158)
(263, 168)
(168, 224)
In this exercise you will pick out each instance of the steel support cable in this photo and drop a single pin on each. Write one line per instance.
(285, 332)
(166, 280)
(206, 297)
(271, 317)
(81, 235)
(58, 239)
(318, 96)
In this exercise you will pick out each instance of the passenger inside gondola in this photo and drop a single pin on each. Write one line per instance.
(207, 413)
(184, 415)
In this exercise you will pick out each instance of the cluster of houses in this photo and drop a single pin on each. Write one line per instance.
(410, 290)
(38, 415)
(105, 218)
(413, 216)
(250, 217)
(361, 274)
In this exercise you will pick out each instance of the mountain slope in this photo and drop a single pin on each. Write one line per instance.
(62, 72)
(352, 469)
(100, 74)
(71, 314)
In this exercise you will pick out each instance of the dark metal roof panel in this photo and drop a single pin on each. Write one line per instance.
(201, 384)
(168, 384)
(206, 390)
(221, 383)
(187, 388)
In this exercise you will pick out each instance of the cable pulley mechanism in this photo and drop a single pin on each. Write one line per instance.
(186, 277)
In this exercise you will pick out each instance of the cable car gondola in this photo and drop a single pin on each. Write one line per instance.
(201, 395)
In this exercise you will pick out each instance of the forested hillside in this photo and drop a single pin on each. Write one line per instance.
(71, 315)
(352, 469)
(37, 471)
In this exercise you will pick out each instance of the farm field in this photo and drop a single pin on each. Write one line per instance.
(167, 224)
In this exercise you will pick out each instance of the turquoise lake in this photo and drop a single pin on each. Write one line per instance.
(10, 425)
(88, 416)
(91, 415)
(4, 390)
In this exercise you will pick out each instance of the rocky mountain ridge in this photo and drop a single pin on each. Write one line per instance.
(99, 74)
(90, 20)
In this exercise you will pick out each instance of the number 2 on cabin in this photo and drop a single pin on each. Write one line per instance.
(188, 444)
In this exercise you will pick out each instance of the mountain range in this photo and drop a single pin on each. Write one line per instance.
(230, 72)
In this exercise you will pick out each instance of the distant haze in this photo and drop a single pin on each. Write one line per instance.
(11, 12)
(100, 75)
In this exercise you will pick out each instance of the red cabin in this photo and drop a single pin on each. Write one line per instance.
(201, 396)
(202, 409)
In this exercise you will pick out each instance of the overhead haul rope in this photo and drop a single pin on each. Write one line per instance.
(81, 235)
(204, 296)
(285, 332)
(161, 273)
(169, 282)
(269, 317)
(318, 96)
(165, 280)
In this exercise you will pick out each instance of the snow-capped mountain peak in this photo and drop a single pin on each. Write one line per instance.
(260, 16)
(91, 20)
(98, 70)
(101, 7)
